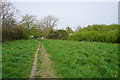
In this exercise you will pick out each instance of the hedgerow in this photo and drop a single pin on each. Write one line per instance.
(98, 33)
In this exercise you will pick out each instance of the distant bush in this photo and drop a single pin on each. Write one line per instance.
(69, 30)
(19, 32)
(98, 33)
(15, 33)
(34, 31)
(60, 34)
(52, 35)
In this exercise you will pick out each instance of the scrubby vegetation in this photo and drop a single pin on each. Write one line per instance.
(60, 34)
(14, 34)
(17, 58)
(83, 59)
(97, 33)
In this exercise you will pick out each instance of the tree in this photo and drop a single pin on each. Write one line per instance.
(59, 34)
(78, 28)
(47, 24)
(52, 35)
(7, 14)
(0, 24)
(62, 34)
(69, 30)
(8, 21)
(28, 21)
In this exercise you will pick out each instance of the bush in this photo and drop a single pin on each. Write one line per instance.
(15, 33)
(52, 35)
(98, 33)
(34, 31)
(60, 34)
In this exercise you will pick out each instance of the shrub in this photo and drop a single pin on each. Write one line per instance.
(15, 33)
(60, 34)
(99, 33)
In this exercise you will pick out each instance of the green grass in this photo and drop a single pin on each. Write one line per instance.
(18, 57)
(37, 76)
(83, 59)
(38, 61)
(38, 65)
(0, 61)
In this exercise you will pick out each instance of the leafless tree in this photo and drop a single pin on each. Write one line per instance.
(7, 14)
(47, 24)
(0, 25)
(78, 28)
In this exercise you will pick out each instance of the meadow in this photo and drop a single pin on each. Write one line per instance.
(17, 58)
(83, 59)
(70, 59)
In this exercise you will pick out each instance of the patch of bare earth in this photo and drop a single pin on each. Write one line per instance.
(46, 70)
(33, 71)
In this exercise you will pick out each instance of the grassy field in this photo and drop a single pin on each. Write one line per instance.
(83, 59)
(17, 58)
(70, 59)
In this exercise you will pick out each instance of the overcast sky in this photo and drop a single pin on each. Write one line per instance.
(72, 13)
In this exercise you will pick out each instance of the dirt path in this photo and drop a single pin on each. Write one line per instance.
(33, 71)
(46, 70)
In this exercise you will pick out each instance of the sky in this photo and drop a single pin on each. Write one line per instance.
(72, 13)
(64, 0)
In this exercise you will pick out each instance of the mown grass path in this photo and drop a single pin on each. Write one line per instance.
(46, 70)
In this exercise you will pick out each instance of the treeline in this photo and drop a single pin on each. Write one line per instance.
(97, 33)
(18, 33)
(30, 25)
(23, 29)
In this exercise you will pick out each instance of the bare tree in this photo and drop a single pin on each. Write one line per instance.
(0, 24)
(78, 28)
(47, 24)
(7, 13)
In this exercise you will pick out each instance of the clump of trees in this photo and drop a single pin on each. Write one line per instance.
(97, 33)
(69, 30)
(9, 29)
(59, 34)
(29, 25)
